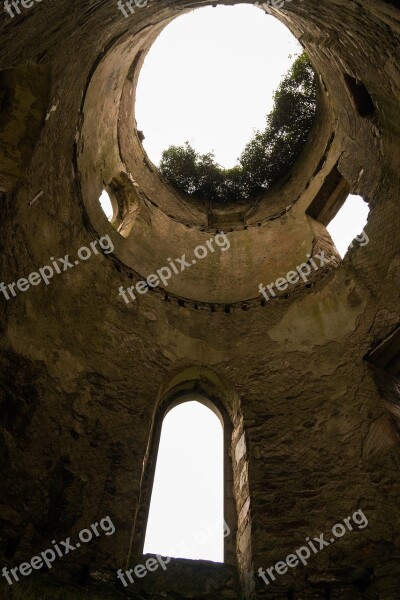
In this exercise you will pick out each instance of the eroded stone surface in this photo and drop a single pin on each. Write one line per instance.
(82, 372)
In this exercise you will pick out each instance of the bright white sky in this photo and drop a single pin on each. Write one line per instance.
(349, 222)
(106, 205)
(209, 79)
(186, 511)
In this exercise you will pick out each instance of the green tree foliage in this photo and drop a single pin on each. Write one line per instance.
(268, 155)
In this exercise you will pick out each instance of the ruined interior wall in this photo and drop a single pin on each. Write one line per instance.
(81, 370)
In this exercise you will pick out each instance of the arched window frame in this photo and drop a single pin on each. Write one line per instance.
(229, 502)
(227, 468)
(220, 395)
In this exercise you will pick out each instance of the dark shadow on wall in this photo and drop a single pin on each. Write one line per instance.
(24, 93)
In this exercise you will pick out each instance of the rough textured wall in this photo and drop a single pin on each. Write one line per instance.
(82, 371)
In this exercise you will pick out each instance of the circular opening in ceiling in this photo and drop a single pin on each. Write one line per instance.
(237, 102)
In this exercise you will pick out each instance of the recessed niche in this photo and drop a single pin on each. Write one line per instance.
(361, 97)
(11, 548)
(330, 197)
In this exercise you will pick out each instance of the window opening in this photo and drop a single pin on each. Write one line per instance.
(186, 517)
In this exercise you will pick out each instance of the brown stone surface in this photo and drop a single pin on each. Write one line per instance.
(84, 377)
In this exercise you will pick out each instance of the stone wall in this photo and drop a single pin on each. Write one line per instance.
(83, 373)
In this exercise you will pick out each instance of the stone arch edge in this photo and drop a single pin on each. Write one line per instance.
(220, 396)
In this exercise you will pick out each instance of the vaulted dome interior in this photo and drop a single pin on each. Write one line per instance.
(111, 318)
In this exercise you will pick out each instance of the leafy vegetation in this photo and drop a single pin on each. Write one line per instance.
(268, 155)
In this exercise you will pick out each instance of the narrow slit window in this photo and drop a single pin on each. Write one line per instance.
(186, 518)
(106, 205)
(347, 227)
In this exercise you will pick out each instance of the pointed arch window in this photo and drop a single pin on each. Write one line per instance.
(186, 517)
